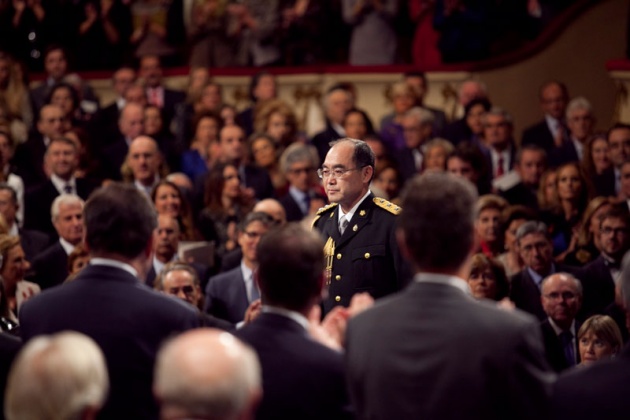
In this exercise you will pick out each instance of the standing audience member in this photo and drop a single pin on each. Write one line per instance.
(299, 164)
(61, 376)
(386, 370)
(208, 374)
(256, 23)
(373, 35)
(51, 266)
(498, 140)
(291, 279)
(561, 296)
(581, 123)
(530, 163)
(551, 132)
(119, 223)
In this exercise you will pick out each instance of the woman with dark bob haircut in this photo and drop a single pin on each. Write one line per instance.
(487, 279)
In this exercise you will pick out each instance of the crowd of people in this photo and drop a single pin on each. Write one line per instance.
(300, 236)
(220, 33)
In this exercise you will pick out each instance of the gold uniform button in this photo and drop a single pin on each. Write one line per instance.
(337, 298)
(338, 256)
(337, 277)
(367, 255)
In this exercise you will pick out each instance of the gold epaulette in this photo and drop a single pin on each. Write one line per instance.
(384, 204)
(325, 208)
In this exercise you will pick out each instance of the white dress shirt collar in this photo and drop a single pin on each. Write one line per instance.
(453, 281)
(60, 184)
(353, 210)
(114, 263)
(295, 316)
(67, 246)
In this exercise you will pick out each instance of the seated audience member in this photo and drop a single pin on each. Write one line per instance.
(168, 199)
(418, 81)
(119, 222)
(226, 203)
(206, 99)
(51, 266)
(229, 294)
(600, 390)
(107, 118)
(573, 194)
(62, 159)
(154, 127)
(417, 128)
(290, 277)
(336, 103)
(588, 245)
(436, 152)
(551, 132)
(78, 259)
(599, 338)
(228, 114)
(136, 94)
(581, 122)
(32, 241)
(7, 172)
(487, 279)
(357, 124)
(276, 118)
(488, 224)
(65, 97)
(13, 269)
(389, 181)
(150, 71)
(512, 218)
(467, 161)
(561, 297)
(530, 163)
(61, 376)
(234, 151)
(470, 127)
(182, 281)
(144, 165)
(547, 192)
(536, 250)
(165, 245)
(595, 159)
(498, 141)
(207, 374)
(599, 275)
(131, 126)
(299, 164)
(203, 152)
(262, 88)
(608, 183)
(403, 98)
(265, 152)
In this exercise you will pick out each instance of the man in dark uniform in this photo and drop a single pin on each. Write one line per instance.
(361, 250)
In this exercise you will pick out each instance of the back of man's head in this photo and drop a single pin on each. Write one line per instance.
(290, 267)
(58, 377)
(437, 222)
(207, 374)
(119, 220)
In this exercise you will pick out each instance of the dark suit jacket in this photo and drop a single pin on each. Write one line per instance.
(127, 320)
(291, 208)
(439, 121)
(406, 164)
(226, 296)
(599, 287)
(553, 347)
(366, 256)
(539, 135)
(33, 242)
(258, 179)
(521, 195)
(288, 356)
(113, 158)
(321, 141)
(9, 347)
(566, 153)
(604, 183)
(50, 268)
(457, 131)
(415, 365)
(38, 202)
(105, 127)
(29, 160)
(525, 293)
(171, 99)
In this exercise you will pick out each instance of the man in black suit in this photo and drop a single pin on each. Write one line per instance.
(536, 250)
(144, 164)
(150, 71)
(62, 158)
(561, 299)
(105, 125)
(32, 241)
(108, 303)
(361, 250)
(291, 279)
(299, 164)
(581, 123)
(233, 150)
(417, 125)
(551, 131)
(337, 102)
(530, 163)
(131, 125)
(601, 391)
(50, 268)
(600, 276)
(497, 133)
(207, 374)
(412, 353)
(229, 294)
(608, 183)
(418, 81)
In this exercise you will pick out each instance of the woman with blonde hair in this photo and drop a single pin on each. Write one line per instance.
(588, 245)
(13, 269)
(547, 198)
(276, 118)
(598, 338)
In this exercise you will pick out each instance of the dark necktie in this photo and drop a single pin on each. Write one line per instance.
(307, 203)
(67, 189)
(566, 338)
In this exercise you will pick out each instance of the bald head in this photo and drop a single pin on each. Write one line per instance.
(273, 208)
(207, 373)
(131, 120)
(144, 159)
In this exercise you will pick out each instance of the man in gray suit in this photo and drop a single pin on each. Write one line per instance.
(433, 351)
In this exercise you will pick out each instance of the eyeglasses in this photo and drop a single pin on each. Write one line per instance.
(335, 173)
(617, 231)
(558, 295)
(188, 290)
(252, 235)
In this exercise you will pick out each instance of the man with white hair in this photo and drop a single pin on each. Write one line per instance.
(51, 266)
(60, 377)
(417, 125)
(581, 123)
(207, 373)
